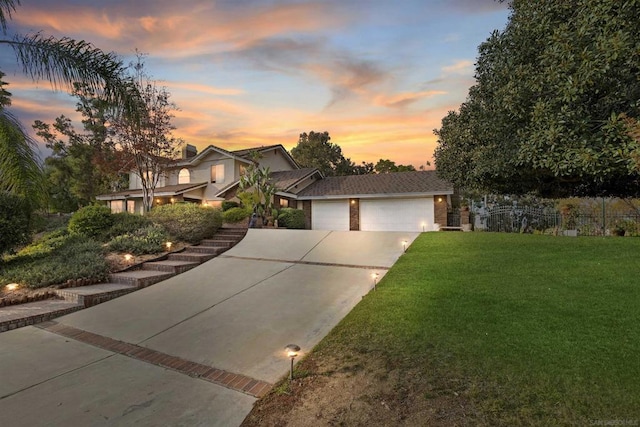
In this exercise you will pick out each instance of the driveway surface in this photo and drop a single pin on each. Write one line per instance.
(199, 348)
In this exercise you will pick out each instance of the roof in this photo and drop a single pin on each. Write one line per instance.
(284, 180)
(169, 190)
(397, 184)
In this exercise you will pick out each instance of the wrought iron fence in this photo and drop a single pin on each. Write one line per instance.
(526, 219)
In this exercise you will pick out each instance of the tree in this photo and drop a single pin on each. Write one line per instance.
(387, 166)
(82, 165)
(62, 62)
(550, 109)
(148, 142)
(314, 150)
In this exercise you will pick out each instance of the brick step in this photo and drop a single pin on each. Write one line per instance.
(170, 266)
(140, 278)
(17, 316)
(218, 243)
(88, 296)
(215, 251)
(189, 256)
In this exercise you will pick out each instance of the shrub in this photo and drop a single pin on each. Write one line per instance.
(37, 271)
(127, 223)
(15, 222)
(188, 222)
(148, 240)
(229, 204)
(291, 218)
(234, 215)
(626, 227)
(91, 221)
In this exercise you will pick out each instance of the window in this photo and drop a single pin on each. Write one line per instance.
(184, 177)
(217, 173)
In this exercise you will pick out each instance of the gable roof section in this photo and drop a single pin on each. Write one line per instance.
(286, 180)
(204, 153)
(246, 151)
(283, 180)
(399, 184)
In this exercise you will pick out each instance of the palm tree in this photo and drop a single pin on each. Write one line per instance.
(63, 62)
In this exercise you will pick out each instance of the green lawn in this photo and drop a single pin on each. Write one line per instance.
(531, 330)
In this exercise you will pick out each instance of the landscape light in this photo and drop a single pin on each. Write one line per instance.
(128, 258)
(292, 352)
(424, 225)
(404, 245)
(374, 276)
(168, 245)
(12, 286)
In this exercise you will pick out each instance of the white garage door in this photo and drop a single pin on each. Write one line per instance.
(396, 214)
(330, 215)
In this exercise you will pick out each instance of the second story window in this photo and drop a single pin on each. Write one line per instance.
(184, 177)
(217, 173)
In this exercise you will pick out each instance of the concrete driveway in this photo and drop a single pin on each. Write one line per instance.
(199, 348)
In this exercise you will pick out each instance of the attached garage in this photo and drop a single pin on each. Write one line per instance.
(415, 214)
(404, 201)
(330, 215)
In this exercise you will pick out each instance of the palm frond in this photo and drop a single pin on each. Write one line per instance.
(20, 171)
(66, 61)
(6, 7)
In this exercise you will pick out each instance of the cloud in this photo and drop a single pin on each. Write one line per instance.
(459, 67)
(405, 99)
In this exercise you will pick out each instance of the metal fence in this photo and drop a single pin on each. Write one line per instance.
(525, 219)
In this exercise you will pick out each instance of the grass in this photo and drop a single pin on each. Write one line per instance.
(531, 330)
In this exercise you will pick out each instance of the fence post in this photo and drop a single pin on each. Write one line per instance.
(604, 218)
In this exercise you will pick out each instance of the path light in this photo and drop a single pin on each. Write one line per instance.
(168, 245)
(424, 225)
(404, 245)
(292, 352)
(375, 276)
(12, 286)
(128, 258)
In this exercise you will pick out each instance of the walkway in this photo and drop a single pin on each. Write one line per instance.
(198, 348)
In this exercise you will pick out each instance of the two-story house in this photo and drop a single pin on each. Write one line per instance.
(404, 201)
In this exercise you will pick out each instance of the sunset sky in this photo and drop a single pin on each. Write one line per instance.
(378, 75)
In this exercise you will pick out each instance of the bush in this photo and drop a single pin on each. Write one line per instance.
(91, 221)
(15, 222)
(626, 227)
(127, 223)
(229, 204)
(148, 240)
(188, 222)
(36, 271)
(291, 218)
(235, 215)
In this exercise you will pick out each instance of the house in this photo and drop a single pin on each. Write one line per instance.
(403, 201)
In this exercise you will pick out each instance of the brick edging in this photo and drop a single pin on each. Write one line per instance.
(9, 325)
(230, 380)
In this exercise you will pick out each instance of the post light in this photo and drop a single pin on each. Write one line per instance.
(404, 245)
(375, 276)
(168, 245)
(292, 352)
(12, 286)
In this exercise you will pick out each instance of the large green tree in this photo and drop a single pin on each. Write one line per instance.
(556, 100)
(315, 150)
(62, 62)
(82, 164)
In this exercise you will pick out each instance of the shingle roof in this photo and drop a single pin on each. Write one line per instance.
(418, 182)
(285, 179)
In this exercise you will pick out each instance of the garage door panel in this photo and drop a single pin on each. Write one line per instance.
(330, 215)
(396, 214)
